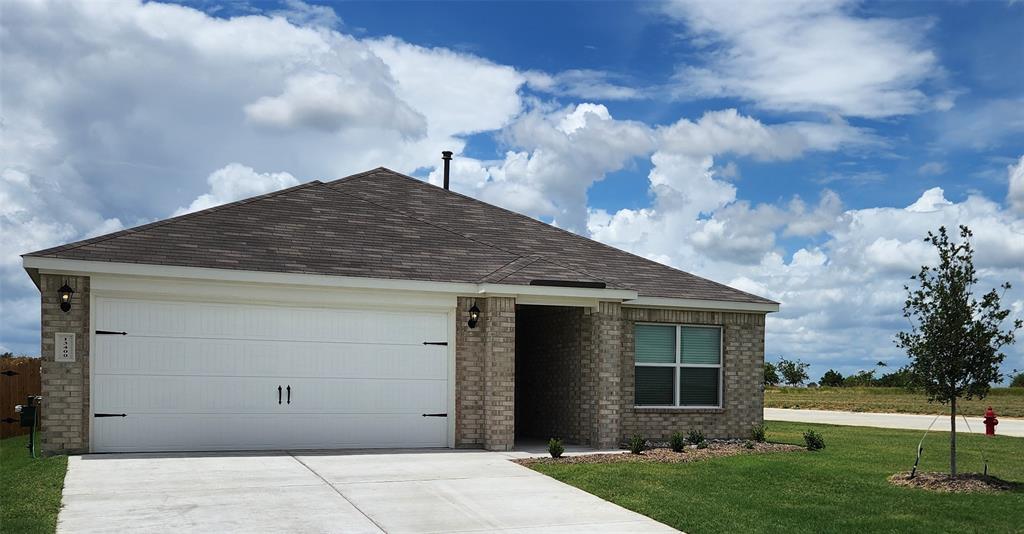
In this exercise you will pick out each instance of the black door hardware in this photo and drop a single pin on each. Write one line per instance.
(110, 332)
(435, 415)
(442, 343)
(279, 394)
(110, 415)
(8, 420)
(289, 394)
(8, 373)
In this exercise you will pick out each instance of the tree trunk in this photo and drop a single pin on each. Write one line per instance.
(952, 437)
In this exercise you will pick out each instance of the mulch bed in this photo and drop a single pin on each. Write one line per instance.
(665, 455)
(943, 483)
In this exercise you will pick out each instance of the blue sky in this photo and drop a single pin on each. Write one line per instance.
(799, 150)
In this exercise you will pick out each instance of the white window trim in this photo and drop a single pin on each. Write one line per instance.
(677, 365)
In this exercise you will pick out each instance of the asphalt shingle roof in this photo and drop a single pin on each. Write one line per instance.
(382, 224)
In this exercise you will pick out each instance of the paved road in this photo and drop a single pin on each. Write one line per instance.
(1007, 426)
(360, 491)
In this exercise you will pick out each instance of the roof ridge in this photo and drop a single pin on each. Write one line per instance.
(358, 175)
(162, 222)
(542, 258)
(519, 215)
(532, 259)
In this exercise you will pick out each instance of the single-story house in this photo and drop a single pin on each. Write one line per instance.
(381, 311)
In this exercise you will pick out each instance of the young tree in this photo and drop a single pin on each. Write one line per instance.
(954, 338)
(832, 378)
(771, 374)
(793, 372)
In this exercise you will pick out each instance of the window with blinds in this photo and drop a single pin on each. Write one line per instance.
(678, 365)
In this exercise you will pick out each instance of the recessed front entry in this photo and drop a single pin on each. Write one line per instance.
(195, 376)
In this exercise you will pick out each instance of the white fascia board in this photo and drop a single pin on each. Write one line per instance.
(66, 266)
(699, 304)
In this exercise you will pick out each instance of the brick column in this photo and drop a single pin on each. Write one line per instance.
(499, 373)
(65, 385)
(469, 375)
(606, 374)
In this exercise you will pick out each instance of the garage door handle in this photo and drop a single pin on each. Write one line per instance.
(289, 394)
(442, 343)
(435, 415)
(110, 415)
(279, 394)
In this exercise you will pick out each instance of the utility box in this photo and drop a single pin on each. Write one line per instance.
(28, 416)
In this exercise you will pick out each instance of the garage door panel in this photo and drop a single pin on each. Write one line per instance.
(196, 356)
(257, 322)
(163, 432)
(369, 396)
(366, 431)
(194, 376)
(142, 395)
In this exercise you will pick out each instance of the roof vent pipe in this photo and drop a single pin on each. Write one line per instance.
(447, 157)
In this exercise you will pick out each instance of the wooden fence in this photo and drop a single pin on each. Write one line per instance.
(19, 377)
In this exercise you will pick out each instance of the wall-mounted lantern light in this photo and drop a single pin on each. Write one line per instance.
(65, 293)
(474, 316)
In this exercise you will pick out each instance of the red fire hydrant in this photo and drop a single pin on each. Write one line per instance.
(990, 422)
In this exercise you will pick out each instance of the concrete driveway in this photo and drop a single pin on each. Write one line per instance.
(393, 491)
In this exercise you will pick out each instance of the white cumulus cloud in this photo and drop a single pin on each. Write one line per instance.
(808, 55)
(235, 182)
(1015, 196)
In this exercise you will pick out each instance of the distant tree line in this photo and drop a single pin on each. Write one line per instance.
(6, 355)
(794, 373)
(901, 378)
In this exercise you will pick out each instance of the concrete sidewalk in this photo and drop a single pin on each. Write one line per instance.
(1007, 426)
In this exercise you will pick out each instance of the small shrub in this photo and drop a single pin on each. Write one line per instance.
(637, 444)
(703, 445)
(748, 444)
(695, 437)
(555, 448)
(677, 441)
(757, 433)
(814, 440)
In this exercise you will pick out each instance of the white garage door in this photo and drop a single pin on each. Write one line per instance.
(194, 376)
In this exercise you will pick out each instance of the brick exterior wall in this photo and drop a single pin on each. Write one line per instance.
(500, 374)
(548, 373)
(485, 374)
(742, 365)
(606, 331)
(469, 375)
(573, 375)
(65, 386)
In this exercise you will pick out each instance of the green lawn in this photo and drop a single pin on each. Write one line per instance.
(1007, 402)
(29, 489)
(842, 488)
